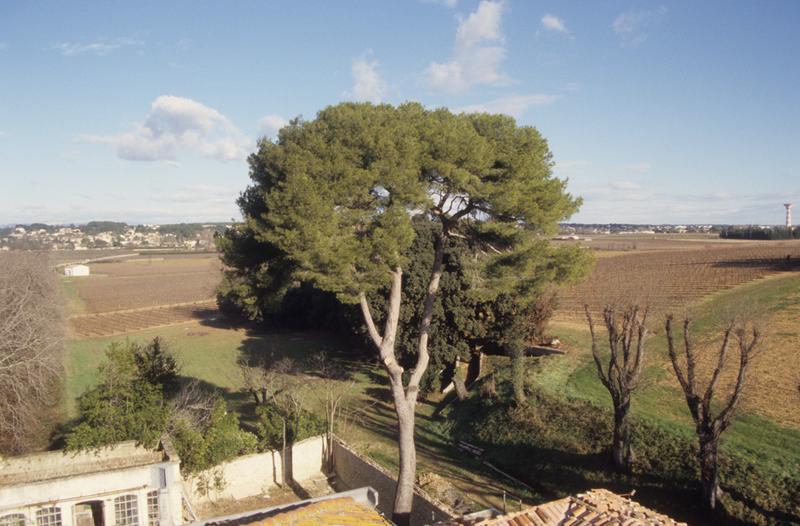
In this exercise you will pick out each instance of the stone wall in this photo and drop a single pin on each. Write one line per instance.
(355, 471)
(252, 475)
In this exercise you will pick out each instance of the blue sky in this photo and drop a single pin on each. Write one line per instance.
(145, 111)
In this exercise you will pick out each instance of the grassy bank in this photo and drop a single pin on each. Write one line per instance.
(560, 440)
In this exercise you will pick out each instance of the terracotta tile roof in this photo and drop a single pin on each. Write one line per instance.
(334, 512)
(597, 507)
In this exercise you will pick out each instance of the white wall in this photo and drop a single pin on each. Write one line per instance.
(252, 475)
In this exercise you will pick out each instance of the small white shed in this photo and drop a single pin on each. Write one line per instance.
(76, 270)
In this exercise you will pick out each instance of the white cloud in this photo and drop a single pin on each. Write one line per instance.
(479, 52)
(178, 124)
(100, 48)
(482, 25)
(269, 125)
(631, 26)
(514, 105)
(367, 82)
(553, 23)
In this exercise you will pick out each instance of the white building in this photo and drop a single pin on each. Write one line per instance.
(74, 270)
(123, 485)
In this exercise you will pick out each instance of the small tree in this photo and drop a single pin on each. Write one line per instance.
(264, 377)
(337, 388)
(709, 427)
(124, 406)
(157, 365)
(626, 339)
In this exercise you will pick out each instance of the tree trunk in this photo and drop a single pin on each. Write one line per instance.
(461, 388)
(621, 449)
(518, 373)
(404, 495)
(709, 471)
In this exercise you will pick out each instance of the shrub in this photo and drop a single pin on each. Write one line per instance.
(220, 440)
(300, 424)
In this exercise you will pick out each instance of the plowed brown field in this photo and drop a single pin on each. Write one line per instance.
(120, 322)
(145, 291)
(670, 281)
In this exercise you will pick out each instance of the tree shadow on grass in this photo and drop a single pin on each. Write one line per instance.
(301, 348)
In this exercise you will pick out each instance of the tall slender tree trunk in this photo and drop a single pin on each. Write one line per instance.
(709, 470)
(404, 494)
(621, 449)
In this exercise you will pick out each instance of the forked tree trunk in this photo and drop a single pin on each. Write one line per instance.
(626, 342)
(405, 396)
(709, 427)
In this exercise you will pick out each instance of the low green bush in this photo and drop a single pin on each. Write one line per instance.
(299, 425)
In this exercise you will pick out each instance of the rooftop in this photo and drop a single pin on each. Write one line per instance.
(598, 507)
(350, 508)
(55, 464)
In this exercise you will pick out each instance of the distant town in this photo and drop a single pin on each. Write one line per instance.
(109, 234)
(200, 236)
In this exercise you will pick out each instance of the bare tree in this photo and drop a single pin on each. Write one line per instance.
(193, 404)
(709, 427)
(337, 388)
(31, 344)
(265, 377)
(621, 375)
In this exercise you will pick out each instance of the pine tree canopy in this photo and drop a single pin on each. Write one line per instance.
(334, 197)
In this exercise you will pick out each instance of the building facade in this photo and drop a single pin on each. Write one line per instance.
(123, 485)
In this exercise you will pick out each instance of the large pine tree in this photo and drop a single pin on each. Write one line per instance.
(334, 201)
